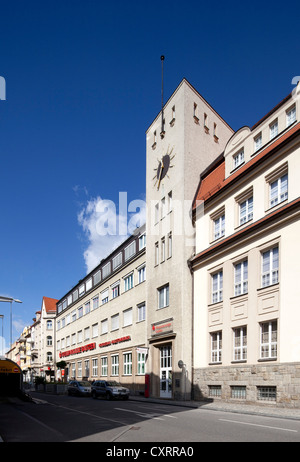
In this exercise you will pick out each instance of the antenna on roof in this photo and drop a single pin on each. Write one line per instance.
(162, 133)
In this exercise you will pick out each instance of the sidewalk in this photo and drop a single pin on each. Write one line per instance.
(268, 410)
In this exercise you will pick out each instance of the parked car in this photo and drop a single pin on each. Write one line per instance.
(81, 388)
(109, 390)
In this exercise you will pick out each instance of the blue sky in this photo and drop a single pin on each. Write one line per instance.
(83, 83)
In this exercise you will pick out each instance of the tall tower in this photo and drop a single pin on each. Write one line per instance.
(186, 137)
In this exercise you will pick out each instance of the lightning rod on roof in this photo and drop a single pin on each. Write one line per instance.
(162, 96)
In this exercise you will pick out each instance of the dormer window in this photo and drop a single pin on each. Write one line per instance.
(290, 116)
(257, 142)
(273, 129)
(238, 159)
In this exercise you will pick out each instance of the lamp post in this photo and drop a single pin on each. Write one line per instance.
(2, 347)
(10, 300)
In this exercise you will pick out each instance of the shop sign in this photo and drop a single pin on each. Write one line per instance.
(75, 351)
(7, 367)
(163, 327)
(114, 342)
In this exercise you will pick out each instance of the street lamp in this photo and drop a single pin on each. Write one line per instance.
(10, 300)
(2, 348)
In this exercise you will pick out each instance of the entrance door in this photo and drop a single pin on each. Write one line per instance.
(166, 372)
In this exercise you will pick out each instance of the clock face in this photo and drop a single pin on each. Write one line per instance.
(162, 168)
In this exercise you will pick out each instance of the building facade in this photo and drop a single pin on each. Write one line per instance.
(182, 141)
(216, 315)
(246, 310)
(101, 322)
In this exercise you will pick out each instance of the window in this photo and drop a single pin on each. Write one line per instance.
(79, 369)
(141, 360)
(73, 339)
(87, 308)
(238, 392)
(273, 129)
(219, 227)
(266, 393)
(163, 207)
(49, 340)
(170, 202)
(106, 270)
(279, 190)
(89, 284)
(196, 112)
(215, 391)
(142, 241)
(79, 336)
(94, 367)
(75, 295)
(68, 341)
(115, 365)
(104, 296)
(116, 290)
(73, 316)
(73, 370)
(156, 213)
(127, 317)
(238, 159)
(80, 311)
(127, 363)
(257, 142)
(216, 347)
(97, 277)
(217, 287)
(241, 278)
(95, 330)
(104, 366)
(95, 302)
(81, 290)
(141, 309)
(117, 261)
(49, 324)
(240, 343)
(115, 322)
(246, 210)
(86, 333)
(86, 368)
(104, 326)
(49, 356)
(163, 249)
(156, 254)
(268, 340)
(128, 282)
(163, 296)
(170, 245)
(142, 274)
(129, 250)
(290, 116)
(270, 265)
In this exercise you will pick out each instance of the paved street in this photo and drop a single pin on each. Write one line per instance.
(62, 418)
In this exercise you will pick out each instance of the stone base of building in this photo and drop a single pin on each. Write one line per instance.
(261, 384)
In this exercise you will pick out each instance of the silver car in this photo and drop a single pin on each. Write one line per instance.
(109, 390)
(79, 388)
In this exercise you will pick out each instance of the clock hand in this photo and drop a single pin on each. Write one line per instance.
(160, 174)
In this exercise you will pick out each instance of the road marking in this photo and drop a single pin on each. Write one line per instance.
(258, 425)
(139, 413)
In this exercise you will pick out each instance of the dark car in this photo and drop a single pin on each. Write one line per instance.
(109, 390)
(79, 387)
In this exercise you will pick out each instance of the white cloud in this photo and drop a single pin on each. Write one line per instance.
(105, 228)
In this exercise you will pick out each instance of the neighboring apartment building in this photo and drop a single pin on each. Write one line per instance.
(246, 296)
(44, 338)
(100, 323)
